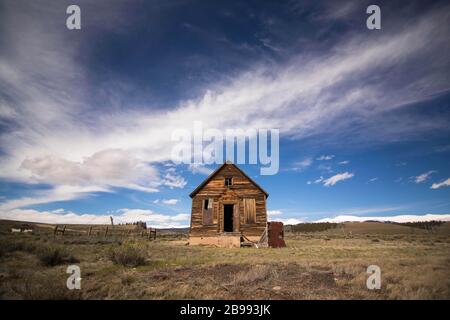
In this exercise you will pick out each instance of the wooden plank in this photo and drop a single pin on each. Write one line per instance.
(249, 210)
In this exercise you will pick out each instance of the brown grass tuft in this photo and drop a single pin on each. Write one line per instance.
(128, 255)
(252, 275)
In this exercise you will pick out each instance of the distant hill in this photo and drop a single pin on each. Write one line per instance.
(367, 227)
(6, 225)
(175, 230)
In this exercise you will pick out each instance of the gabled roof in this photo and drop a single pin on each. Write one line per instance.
(213, 174)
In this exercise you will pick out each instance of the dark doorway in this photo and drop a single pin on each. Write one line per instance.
(228, 217)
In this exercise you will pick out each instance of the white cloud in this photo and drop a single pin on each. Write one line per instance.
(344, 162)
(301, 165)
(444, 183)
(319, 180)
(290, 221)
(173, 181)
(271, 213)
(423, 177)
(336, 178)
(398, 218)
(325, 157)
(60, 193)
(152, 219)
(324, 168)
(199, 168)
(105, 168)
(373, 179)
(170, 202)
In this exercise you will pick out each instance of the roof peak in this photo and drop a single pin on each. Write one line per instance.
(217, 170)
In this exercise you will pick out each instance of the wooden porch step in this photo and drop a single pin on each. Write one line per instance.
(247, 244)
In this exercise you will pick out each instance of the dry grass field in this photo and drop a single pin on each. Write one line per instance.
(331, 264)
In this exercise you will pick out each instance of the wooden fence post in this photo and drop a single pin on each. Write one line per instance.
(151, 233)
(106, 231)
(90, 230)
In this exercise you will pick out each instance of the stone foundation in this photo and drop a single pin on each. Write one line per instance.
(229, 240)
(253, 238)
(226, 241)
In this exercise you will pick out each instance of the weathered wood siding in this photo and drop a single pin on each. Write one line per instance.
(215, 189)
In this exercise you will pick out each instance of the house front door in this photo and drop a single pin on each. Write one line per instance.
(228, 215)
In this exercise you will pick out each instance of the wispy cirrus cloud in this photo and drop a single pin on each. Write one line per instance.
(199, 168)
(318, 180)
(331, 181)
(325, 168)
(423, 177)
(438, 185)
(301, 165)
(325, 157)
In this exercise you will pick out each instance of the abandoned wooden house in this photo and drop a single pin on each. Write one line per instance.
(229, 209)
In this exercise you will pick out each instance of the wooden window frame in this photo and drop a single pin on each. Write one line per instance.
(210, 207)
(225, 181)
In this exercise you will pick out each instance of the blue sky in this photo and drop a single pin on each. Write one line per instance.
(86, 115)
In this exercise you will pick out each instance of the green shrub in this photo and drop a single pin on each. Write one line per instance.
(427, 225)
(128, 255)
(55, 255)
